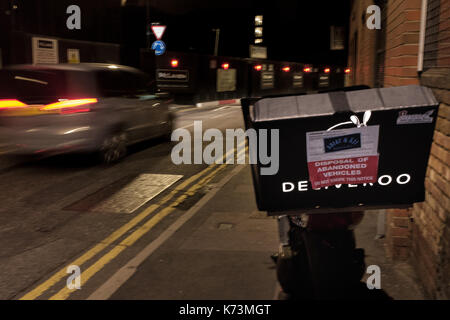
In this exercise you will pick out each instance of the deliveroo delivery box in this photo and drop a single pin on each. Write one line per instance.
(340, 151)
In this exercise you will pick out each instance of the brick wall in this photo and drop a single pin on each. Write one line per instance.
(362, 71)
(398, 233)
(430, 234)
(402, 46)
(402, 38)
(420, 235)
(444, 35)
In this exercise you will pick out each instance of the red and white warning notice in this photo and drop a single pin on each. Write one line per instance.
(344, 156)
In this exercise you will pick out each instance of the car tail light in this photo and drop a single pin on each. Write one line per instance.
(286, 69)
(258, 67)
(70, 105)
(11, 103)
(307, 69)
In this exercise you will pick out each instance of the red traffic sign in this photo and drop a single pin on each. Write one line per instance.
(158, 31)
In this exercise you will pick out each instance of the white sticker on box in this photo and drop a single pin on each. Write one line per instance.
(342, 143)
(344, 156)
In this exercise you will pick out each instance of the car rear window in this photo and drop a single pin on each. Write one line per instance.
(43, 86)
(114, 83)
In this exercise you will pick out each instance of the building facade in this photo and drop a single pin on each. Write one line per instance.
(413, 47)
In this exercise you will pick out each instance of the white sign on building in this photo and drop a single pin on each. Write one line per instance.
(73, 55)
(226, 80)
(258, 52)
(44, 50)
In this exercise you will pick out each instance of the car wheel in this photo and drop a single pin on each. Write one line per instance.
(114, 147)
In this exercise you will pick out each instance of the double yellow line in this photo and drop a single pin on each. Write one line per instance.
(65, 292)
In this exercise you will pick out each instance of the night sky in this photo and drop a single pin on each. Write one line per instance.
(293, 30)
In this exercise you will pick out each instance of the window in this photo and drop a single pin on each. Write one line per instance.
(115, 83)
(45, 86)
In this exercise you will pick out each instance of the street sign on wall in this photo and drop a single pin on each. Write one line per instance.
(267, 79)
(324, 80)
(297, 80)
(44, 50)
(73, 55)
(172, 75)
(258, 52)
(226, 80)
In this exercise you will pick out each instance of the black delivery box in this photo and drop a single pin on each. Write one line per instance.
(377, 159)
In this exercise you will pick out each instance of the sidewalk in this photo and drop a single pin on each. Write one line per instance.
(398, 279)
(223, 252)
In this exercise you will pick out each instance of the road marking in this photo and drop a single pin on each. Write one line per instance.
(181, 111)
(54, 279)
(39, 290)
(192, 108)
(225, 107)
(223, 114)
(138, 192)
(188, 108)
(106, 290)
(136, 235)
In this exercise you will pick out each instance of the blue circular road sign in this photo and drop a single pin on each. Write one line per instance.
(159, 47)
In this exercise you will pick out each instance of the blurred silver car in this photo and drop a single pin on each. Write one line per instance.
(79, 108)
